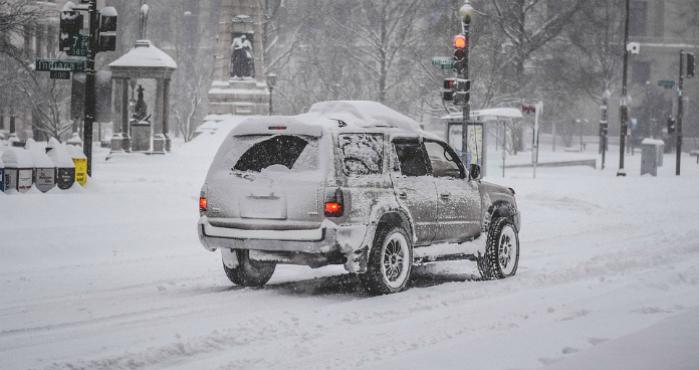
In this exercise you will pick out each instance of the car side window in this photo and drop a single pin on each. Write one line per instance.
(443, 161)
(412, 157)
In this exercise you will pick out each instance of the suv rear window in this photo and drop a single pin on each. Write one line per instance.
(294, 152)
(362, 154)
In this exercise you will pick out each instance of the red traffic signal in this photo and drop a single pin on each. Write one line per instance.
(528, 109)
(460, 42)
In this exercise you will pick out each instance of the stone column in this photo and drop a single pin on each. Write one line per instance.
(121, 129)
(166, 114)
(158, 137)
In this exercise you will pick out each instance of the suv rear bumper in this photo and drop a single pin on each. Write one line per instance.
(327, 240)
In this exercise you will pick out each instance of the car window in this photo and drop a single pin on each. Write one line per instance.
(362, 154)
(412, 157)
(442, 161)
(293, 152)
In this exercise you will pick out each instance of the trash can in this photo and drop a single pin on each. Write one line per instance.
(44, 169)
(80, 161)
(651, 152)
(19, 170)
(65, 168)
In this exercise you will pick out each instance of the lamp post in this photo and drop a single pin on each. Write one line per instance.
(624, 106)
(466, 14)
(271, 82)
(604, 125)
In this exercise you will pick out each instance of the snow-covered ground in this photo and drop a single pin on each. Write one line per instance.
(113, 277)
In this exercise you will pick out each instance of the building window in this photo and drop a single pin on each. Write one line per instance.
(640, 72)
(638, 18)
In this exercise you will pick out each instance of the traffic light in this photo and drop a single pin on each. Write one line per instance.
(691, 66)
(449, 87)
(70, 25)
(460, 45)
(670, 126)
(107, 29)
(456, 90)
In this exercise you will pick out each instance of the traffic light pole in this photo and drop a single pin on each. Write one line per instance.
(680, 113)
(90, 98)
(467, 103)
(624, 108)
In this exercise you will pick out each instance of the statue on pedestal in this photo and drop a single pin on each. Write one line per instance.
(140, 113)
(242, 58)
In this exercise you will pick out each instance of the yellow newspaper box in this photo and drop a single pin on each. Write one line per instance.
(80, 161)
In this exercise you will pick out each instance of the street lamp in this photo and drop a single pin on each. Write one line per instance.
(271, 82)
(462, 43)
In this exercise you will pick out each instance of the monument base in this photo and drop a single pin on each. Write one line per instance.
(241, 97)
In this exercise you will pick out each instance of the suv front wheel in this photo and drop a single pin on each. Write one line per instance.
(390, 262)
(248, 272)
(502, 251)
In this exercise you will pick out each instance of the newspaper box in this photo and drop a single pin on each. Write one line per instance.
(44, 169)
(65, 168)
(19, 170)
(80, 161)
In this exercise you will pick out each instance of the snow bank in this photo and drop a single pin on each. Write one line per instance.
(38, 153)
(59, 154)
(17, 158)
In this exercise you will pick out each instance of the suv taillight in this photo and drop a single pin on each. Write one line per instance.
(202, 204)
(335, 207)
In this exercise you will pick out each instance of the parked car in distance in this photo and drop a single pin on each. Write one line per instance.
(352, 183)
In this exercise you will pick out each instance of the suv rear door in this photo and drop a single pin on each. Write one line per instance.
(459, 204)
(414, 187)
(267, 181)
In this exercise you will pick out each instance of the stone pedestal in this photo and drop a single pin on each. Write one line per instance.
(140, 133)
(159, 144)
(239, 96)
(230, 94)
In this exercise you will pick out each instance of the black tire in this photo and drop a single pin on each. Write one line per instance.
(502, 251)
(249, 273)
(390, 262)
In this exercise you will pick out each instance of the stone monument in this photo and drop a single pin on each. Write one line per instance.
(239, 85)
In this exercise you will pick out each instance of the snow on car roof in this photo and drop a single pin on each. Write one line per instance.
(365, 114)
(336, 116)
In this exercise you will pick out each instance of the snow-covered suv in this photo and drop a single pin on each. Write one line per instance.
(352, 183)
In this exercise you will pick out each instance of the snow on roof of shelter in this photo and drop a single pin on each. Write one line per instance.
(487, 114)
(144, 54)
(365, 114)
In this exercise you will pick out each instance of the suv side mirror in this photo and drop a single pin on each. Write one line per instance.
(475, 172)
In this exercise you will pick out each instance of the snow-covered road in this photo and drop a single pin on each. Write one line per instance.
(113, 277)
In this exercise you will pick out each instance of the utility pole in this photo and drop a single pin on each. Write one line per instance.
(466, 14)
(90, 90)
(624, 107)
(685, 61)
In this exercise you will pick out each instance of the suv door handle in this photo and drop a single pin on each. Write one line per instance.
(403, 195)
(445, 195)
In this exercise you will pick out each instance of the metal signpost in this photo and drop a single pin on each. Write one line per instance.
(687, 70)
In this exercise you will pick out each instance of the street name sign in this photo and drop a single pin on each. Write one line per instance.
(443, 62)
(60, 74)
(47, 65)
(666, 84)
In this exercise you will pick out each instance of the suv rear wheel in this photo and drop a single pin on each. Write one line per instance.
(249, 273)
(502, 251)
(390, 261)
